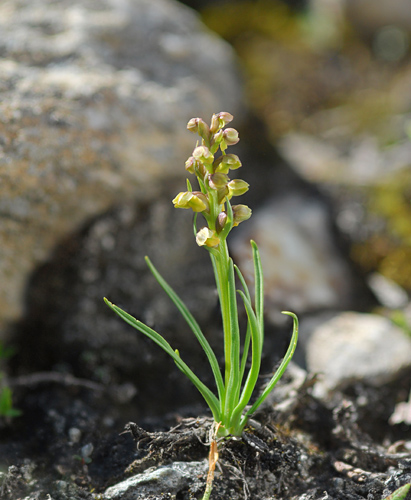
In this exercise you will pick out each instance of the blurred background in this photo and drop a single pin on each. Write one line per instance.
(95, 97)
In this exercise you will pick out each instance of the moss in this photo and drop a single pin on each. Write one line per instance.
(387, 249)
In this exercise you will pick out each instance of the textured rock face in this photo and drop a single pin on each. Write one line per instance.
(357, 347)
(94, 97)
(303, 270)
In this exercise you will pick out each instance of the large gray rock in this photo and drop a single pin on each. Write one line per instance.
(94, 99)
(357, 347)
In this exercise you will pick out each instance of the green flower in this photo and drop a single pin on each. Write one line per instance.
(207, 237)
(196, 200)
(200, 127)
(225, 163)
(237, 187)
(218, 181)
(240, 213)
(219, 121)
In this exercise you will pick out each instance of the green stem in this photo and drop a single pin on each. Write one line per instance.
(224, 275)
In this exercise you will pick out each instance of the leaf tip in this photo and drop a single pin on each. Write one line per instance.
(288, 313)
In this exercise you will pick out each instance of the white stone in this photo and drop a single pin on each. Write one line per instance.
(170, 478)
(357, 347)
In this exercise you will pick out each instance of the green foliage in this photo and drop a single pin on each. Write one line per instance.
(400, 494)
(6, 402)
(230, 408)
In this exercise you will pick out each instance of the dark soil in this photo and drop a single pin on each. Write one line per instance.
(304, 449)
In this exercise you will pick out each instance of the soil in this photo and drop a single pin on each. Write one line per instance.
(73, 441)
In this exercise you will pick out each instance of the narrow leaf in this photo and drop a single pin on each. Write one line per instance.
(195, 328)
(400, 494)
(255, 358)
(259, 288)
(248, 332)
(209, 397)
(278, 374)
(234, 381)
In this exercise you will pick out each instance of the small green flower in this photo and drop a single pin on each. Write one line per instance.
(218, 180)
(204, 155)
(237, 187)
(220, 222)
(231, 136)
(241, 213)
(198, 126)
(191, 164)
(207, 237)
(225, 163)
(197, 201)
(219, 121)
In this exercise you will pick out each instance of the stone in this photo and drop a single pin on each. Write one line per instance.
(354, 347)
(67, 324)
(170, 478)
(303, 270)
(94, 99)
(325, 161)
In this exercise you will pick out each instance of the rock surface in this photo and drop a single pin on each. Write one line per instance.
(94, 98)
(302, 268)
(68, 324)
(357, 347)
(169, 478)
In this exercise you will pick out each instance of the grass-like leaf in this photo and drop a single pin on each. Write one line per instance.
(278, 374)
(209, 397)
(234, 378)
(399, 494)
(192, 323)
(256, 349)
(259, 288)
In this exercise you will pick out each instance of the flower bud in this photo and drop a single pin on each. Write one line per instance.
(202, 153)
(219, 121)
(226, 163)
(194, 201)
(190, 164)
(200, 127)
(230, 136)
(207, 237)
(218, 180)
(220, 221)
(192, 125)
(217, 138)
(237, 187)
(240, 213)
(201, 198)
(221, 194)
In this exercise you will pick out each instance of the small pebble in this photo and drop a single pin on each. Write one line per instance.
(74, 435)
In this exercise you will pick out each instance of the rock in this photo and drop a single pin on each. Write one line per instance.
(367, 183)
(170, 478)
(357, 347)
(389, 294)
(68, 325)
(94, 99)
(302, 268)
(364, 162)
